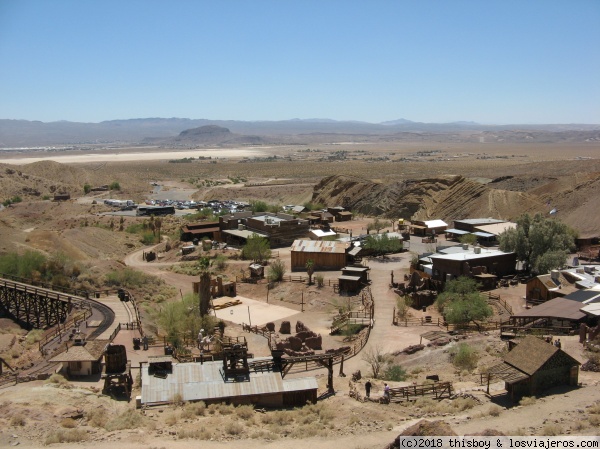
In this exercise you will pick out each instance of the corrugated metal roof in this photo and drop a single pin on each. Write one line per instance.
(319, 246)
(555, 308)
(195, 382)
(456, 231)
(435, 223)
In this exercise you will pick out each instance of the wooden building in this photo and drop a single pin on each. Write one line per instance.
(281, 229)
(201, 230)
(326, 255)
(475, 262)
(548, 286)
(533, 366)
(81, 358)
(428, 227)
(340, 213)
(353, 279)
(206, 382)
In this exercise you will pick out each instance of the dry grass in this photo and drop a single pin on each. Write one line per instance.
(233, 428)
(18, 420)
(195, 434)
(193, 409)
(58, 380)
(528, 400)
(244, 412)
(66, 436)
(97, 417)
(68, 423)
(594, 420)
(551, 430)
(129, 419)
(494, 410)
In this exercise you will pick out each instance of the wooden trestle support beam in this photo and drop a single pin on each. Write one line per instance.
(33, 307)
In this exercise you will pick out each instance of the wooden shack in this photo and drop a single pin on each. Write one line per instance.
(353, 279)
(326, 255)
(533, 366)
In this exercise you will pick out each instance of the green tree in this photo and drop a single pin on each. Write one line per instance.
(469, 239)
(541, 244)
(382, 244)
(114, 185)
(87, 188)
(461, 302)
(377, 225)
(257, 248)
(259, 206)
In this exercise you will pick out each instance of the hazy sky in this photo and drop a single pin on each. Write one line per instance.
(433, 61)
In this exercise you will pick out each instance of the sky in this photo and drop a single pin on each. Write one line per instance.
(492, 62)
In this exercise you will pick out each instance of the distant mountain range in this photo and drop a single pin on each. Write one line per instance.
(23, 133)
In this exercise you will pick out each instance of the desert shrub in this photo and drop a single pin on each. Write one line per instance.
(578, 425)
(66, 436)
(494, 410)
(319, 280)
(244, 412)
(594, 420)
(527, 400)
(427, 405)
(148, 238)
(395, 373)
(551, 430)
(462, 404)
(23, 265)
(97, 417)
(282, 417)
(177, 399)
(595, 409)
(129, 419)
(220, 262)
(68, 423)
(233, 428)
(464, 357)
(114, 186)
(403, 305)
(34, 336)
(128, 278)
(196, 434)
(172, 418)
(276, 271)
(57, 379)
(18, 420)
(308, 430)
(351, 329)
(192, 409)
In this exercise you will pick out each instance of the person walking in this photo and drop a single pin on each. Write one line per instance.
(368, 388)
(386, 391)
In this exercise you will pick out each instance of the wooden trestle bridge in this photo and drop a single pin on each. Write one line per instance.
(39, 307)
(34, 307)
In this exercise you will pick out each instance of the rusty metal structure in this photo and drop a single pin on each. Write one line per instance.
(33, 307)
(117, 371)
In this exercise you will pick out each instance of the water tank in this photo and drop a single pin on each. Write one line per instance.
(477, 249)
(115, 358)
(241, 227)
(465, 246)
(554, 274)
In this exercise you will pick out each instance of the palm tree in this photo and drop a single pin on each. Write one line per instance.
(310, 269)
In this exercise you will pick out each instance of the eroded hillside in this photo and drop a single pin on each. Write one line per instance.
(575, 197)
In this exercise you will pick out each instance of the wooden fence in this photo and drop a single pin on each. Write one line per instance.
(61, 330)
(502, 302)
(439, 390)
